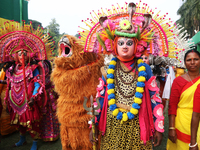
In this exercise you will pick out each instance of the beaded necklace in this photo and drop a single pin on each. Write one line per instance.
(138, 95)
(119, 67)
(118, 78)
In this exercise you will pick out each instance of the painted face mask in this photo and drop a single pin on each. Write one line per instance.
(125, 47)
(145, 59)
(20, 57)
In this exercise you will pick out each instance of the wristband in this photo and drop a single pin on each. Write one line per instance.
(172, 128)
(193, 145)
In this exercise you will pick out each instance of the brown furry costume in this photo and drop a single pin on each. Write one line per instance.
(75, 76)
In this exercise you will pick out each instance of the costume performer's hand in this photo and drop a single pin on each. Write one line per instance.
(91, 135)
(157, 138)
(31, 102)
(172, 135)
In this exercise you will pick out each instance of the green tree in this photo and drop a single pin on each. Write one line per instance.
(77, 35)
(190, 15)
(53, 30)
(35, 23)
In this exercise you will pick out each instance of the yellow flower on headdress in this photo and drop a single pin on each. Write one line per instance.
(124, 24)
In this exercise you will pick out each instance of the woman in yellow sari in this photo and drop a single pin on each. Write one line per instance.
(195, 120)
(181, 103)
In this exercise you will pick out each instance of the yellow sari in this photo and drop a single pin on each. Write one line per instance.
(183, 120)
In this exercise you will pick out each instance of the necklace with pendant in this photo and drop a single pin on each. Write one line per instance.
(190, 78)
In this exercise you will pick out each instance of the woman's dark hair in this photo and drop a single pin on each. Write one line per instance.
(49, 65)
(194, 49)
(157, 70)
(34, 62)
(7, 65)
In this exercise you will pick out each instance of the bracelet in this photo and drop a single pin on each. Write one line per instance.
(193, 145)
(172, 128)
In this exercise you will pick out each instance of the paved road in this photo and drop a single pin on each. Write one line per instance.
(8, 141)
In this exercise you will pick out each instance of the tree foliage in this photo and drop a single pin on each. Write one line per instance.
(35, 23)
(77, 35)
(53, 28)
(54, 31)
(190, 15)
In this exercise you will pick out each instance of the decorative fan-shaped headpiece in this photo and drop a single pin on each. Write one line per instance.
(15, 38)
(154, 33)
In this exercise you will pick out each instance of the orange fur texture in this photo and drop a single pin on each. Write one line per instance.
(75, 77)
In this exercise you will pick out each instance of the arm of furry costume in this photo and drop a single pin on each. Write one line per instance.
(36, 84)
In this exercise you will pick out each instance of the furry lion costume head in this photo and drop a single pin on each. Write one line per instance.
(75, 75)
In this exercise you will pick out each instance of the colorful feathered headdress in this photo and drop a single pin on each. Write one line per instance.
(14, 37)
(155, 33)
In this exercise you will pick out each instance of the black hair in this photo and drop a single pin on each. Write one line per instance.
(193, 49)
(7, 65)
(49, 65)
(1, 65)
(157, 70)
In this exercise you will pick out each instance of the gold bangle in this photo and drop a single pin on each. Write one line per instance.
(172, 128)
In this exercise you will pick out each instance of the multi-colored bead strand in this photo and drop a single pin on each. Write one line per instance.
(138, 95)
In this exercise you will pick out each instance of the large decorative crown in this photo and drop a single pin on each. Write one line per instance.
(155, 33)
(14, 38)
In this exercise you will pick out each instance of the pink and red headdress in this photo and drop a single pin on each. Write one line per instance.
(13, 42)
(154, 32)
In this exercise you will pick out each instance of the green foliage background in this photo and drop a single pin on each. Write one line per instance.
(190, 16)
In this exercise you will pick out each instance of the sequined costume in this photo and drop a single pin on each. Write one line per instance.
(20, 112)
(49, 123)
(22, 50)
